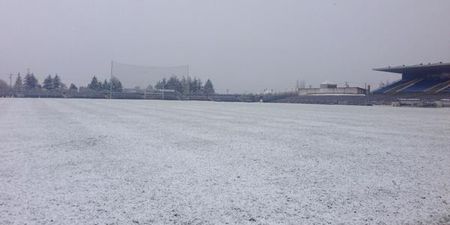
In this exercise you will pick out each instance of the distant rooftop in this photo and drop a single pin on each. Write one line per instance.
(418, 69)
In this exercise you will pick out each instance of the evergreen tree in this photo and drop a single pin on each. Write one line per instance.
(196, 86)
(31, 82)
(106, 86)
(57, 84)
(48, 83)
(208, 88)
(174, 84)
(73, 87)
(161, 84)
(116, 85)
(95, 85)
(18, 85)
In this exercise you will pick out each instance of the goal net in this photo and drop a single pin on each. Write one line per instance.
(143, 77)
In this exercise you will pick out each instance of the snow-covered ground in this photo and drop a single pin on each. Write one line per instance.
(75, 161)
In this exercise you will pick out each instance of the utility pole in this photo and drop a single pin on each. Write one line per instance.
(10, 84)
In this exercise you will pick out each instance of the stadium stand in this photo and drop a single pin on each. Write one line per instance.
(427, 79)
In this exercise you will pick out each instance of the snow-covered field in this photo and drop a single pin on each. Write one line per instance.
(69, 161)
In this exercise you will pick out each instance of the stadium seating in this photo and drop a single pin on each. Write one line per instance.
(430, 86)
(397, 87)
(407, 84)
(418, 81)
(422, 86)
(447, 90)
(438, 88)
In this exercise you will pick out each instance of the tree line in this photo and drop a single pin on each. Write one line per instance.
(113, 84)
(54, 83)
(184, 85)
(30, 82)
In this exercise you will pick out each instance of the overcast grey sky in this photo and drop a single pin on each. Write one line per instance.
(244, 46)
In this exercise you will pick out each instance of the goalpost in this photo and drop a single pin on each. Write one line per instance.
(141, 79)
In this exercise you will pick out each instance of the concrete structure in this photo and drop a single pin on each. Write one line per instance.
(332, 89)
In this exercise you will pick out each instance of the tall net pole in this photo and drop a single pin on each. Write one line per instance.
(110, 80)
(133, 78)
(189, 84)
(10, 85)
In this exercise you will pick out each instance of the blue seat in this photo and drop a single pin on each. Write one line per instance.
(423, 85)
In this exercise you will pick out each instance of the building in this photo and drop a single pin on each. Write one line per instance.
(428, 79)
(327, 88)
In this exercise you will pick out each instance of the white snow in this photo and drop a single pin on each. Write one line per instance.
(84, 161)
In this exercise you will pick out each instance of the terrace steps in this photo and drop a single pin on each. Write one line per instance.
(439, 87)
(402, 86)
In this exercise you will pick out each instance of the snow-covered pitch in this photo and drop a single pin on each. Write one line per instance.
(75, 161)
